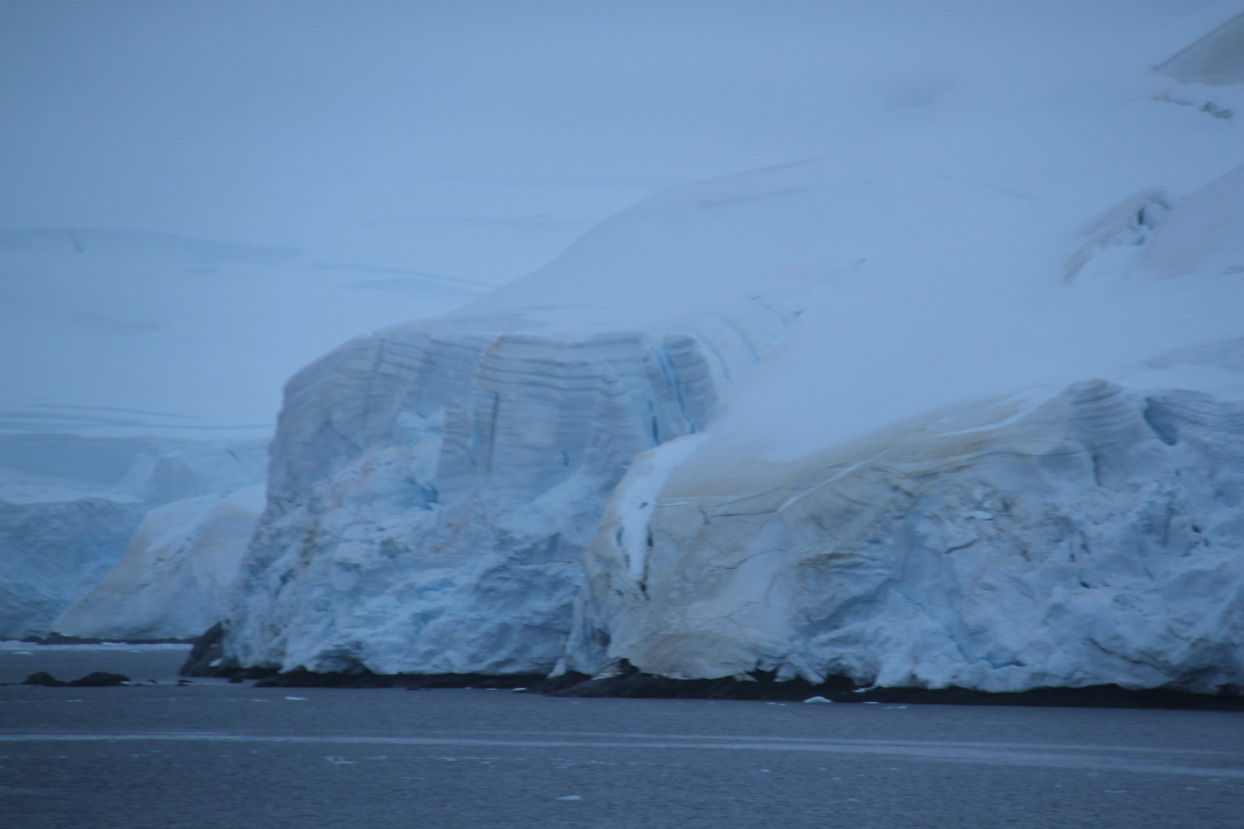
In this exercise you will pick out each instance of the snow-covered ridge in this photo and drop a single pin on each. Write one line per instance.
(1079, 535)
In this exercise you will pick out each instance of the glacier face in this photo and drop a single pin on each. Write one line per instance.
(1088, 534)
(1093, 536)
(433, 486)
(893, 414)
(69, 506)
(177, 572)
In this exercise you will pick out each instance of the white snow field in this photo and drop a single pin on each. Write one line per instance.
(958, 402)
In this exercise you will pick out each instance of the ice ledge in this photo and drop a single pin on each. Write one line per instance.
(1095, 538)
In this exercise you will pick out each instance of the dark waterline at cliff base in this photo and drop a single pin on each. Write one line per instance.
(207, 660)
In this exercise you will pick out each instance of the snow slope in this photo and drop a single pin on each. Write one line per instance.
(967, 392)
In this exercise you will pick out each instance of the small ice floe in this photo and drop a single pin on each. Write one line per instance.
(817, 699)
(519, 689)
(571, 797)
(871, 702)
(297, 699)
(340, 761)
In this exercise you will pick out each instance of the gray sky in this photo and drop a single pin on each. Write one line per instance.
(191, 116)
(378, 143)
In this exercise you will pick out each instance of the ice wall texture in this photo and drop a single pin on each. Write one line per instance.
(176, 575)
(1094, 536)
(433, 487)
(69, 506)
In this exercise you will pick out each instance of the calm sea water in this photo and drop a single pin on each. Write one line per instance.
(212, 754)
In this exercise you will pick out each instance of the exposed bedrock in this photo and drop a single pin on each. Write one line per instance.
(432, 488)
(1094, 536)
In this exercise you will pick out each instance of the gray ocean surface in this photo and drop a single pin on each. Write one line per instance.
(212, 754)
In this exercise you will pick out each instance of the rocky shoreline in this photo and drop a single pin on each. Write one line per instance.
(206, 660)
(624, 681)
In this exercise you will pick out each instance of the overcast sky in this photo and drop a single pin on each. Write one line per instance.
(381, 141)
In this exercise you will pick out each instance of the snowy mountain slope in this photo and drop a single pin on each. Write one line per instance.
(432, 484)
(69, 506)
(1065, 535)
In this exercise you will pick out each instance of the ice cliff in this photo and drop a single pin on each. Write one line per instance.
(433, 487)
(960, 403)
(1092, 536)
(1069, 535)
(69, 506)
(177, 573)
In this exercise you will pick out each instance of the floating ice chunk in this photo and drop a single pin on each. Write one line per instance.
(818, 699)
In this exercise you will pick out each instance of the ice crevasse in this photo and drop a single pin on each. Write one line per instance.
(934, 410)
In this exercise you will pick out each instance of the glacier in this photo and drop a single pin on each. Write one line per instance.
(432, 488)
(1091, 536)
(957, 405)
(69, 505)
(176, 574)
